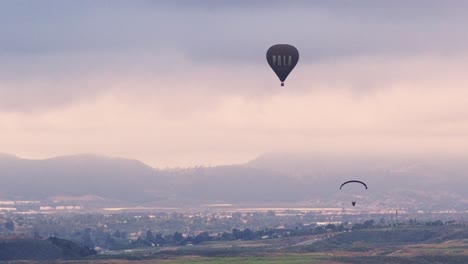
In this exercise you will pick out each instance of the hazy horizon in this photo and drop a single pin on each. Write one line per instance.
(186, 83)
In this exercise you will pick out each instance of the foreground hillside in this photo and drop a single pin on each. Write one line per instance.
(42, 249)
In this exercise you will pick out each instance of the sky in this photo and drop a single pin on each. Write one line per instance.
(186, 83)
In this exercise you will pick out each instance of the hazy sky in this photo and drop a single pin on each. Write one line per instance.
(183, 83)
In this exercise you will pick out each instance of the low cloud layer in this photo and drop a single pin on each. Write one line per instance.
(188, 84)
(415, 105)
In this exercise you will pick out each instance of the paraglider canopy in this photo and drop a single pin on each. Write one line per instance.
(282, 59)
(344, 183)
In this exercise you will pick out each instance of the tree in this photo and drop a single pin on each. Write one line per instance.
(178, 237)
(86, 237)
(319, 229)
(227, 236)
(149, 235)
(237, 233)
(369, 223)
(159, 239)
(202, 237)
(248, 234)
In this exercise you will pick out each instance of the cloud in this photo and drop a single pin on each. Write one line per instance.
(386, 105)
(211, 31)
(183, 83)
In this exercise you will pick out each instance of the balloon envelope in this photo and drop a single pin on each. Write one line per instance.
(282, 58)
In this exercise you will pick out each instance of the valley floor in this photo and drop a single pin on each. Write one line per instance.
(399, 245)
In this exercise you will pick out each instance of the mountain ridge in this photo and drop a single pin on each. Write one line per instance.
(312, 179)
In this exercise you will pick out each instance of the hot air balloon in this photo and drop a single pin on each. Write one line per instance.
(353, 181)
(282, 58)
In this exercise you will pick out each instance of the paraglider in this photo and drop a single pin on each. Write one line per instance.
(353, 181)
(282, 59)
(344, 183)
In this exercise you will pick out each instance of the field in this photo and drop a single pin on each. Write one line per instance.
(383, 245)
(272, 259)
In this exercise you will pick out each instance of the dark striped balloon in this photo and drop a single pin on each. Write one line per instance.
(282, 58)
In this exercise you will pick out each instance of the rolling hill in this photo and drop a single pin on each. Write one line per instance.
(438, 183)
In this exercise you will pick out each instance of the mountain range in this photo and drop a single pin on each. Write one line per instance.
(432, 183)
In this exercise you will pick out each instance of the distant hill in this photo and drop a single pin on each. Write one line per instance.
(113, 178)
(42, 249)
(235, 183)
(128, 180)
(439, 183)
